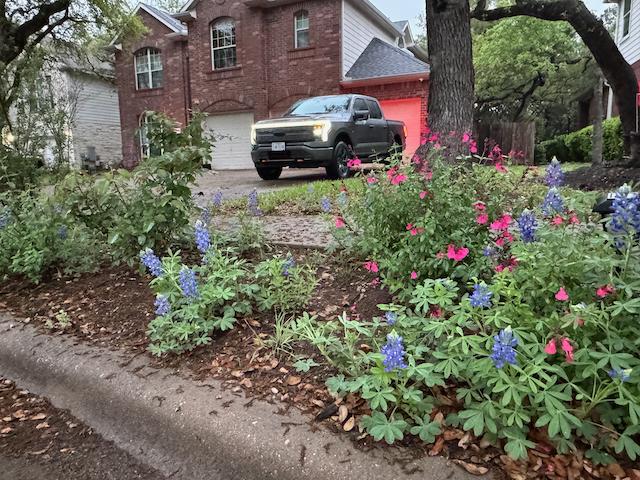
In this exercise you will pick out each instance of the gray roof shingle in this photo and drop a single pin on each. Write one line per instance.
(164, 17)
(401, 25)
(381, 59)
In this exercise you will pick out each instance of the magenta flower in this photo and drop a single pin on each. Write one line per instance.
(562, 295)
(371, 267)
(457, 254)
(340, 222)
(414, 275)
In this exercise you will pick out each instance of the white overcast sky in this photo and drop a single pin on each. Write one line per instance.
(411, 9)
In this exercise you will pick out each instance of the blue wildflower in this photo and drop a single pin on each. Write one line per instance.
(554, 176)
(252, 204)
(393, 352)
(188, 283)
(481, 297)
(205, 215)
(528, 225)
(391, 318)
(152, 262)
(325, 205)
(163, 307)
(216, 201)
(288, 265)
(488, 251)
(620, 374)
(504, 348)
(203, 241)
(553, 202)
(625, 219)
(63, 232)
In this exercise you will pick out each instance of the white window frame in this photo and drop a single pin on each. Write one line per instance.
(233, 46)
(297, 30)
(626, 16)
(148, 51)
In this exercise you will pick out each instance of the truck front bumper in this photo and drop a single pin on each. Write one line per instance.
(295, 156)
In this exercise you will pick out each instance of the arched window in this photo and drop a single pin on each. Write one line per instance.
(301, 29)
(223, 43)
(148, 63)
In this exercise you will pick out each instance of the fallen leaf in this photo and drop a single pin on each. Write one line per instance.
(39, 416)
(6, 430)
(318, 403)
(293, 381)
(437, 447)
(616, 470)
(7, 419)
(246, 383)
(453, 434)
(42, 426)
(464, 441)
(343, 413)
(19, 414)
(472, 468)
(237, 374)
(349, 424)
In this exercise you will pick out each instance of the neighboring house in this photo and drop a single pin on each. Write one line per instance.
(241, 61)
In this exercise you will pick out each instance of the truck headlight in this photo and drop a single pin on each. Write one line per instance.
(254, 135)
(321, 130)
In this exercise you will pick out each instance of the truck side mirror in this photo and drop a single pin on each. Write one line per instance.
(360, 115)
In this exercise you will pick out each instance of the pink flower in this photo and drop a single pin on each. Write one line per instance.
(482, 219)
(375, 282)
(473, 147)
(354, 162)
(480, 206)
(502, 223)
(428, 175)
(340, 222)
(557, 220)
(501, 168)
(436, 313)
(398, 179)
(371, 267)
(562, 295)
(551, 349)
(414, 275)
(457, 254)
(574, 220)
(567, 348)
(466, 138)
(605, 291)
(423, 194)
(372, 180)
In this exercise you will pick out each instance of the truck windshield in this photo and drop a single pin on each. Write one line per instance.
(320, 105)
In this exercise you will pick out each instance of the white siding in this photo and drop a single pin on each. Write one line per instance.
(96, 120)
(630, 45)
(357, 32)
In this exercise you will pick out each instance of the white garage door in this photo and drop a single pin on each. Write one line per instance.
(232, 134)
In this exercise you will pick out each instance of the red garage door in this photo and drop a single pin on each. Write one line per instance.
(407, 110)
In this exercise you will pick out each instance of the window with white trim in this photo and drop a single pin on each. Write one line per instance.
(626, 18)
(223, 43)
(148, 64)
(301, 29)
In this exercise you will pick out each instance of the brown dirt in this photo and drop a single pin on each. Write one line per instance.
(600, 178)
(42, 442)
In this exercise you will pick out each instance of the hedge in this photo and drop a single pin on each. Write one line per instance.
(576, 146)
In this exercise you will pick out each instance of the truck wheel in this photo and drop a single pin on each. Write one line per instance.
(269, 173)
(338, 168)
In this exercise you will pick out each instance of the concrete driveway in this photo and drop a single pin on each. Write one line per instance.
(239, 183)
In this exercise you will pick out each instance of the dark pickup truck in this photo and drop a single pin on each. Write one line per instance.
(325, 132)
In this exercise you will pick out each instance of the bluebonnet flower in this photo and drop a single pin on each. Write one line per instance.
(553, 202)
(393, 352)
(162, 305)
(152, 262)
(188, 283)
(216, 201)
(528, 225)
(63, 232)
(203, 241)
(343, 199)
(391, 318)
(504, 348)
(626, 214)
(488, 251)
(252, 204)
(554, 176)
(289, 264)
(481, 297)
(325, 205)
(622, 375)
(205, 215)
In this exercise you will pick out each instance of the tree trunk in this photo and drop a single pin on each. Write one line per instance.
(451, 89)
(594, 34)
(598, 110)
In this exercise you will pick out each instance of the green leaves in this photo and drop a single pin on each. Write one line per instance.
(426, 429)
(378, 397)
(627, 444)
(304, 365)
(380, 427)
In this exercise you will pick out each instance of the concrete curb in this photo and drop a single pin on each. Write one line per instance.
(187, 429)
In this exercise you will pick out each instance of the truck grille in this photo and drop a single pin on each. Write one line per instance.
(285, 134)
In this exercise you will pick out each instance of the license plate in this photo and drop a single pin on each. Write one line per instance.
(278, 147)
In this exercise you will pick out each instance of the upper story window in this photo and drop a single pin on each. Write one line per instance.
(148, 62)
(223, 43)
(302, 29)
(626, 17)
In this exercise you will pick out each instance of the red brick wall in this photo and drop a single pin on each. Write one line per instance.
(396, 91)
(170, 99)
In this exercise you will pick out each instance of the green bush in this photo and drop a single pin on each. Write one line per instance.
(577, 146)
(284, 285)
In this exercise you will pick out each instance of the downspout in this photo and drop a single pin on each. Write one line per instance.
(186, 76)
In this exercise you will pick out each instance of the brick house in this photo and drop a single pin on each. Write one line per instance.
(241, 61)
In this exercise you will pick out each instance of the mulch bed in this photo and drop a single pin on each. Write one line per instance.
(55, 444)
(601, 178)
(113, 307)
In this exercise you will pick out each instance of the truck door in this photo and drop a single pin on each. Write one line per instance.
(362, 137)
(378, 130)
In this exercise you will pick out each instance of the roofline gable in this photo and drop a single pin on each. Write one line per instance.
(151, 11)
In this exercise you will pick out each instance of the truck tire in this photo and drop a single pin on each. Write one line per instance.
(269, 173)
(338, 168)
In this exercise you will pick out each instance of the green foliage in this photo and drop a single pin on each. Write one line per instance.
(223, 295)
(284, 285)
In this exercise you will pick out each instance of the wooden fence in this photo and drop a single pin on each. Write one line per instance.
(517, 137)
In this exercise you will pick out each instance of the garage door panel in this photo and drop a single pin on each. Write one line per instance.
(409, 111)
(232, 140)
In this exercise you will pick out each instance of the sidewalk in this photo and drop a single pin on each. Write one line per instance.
(191, 430)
